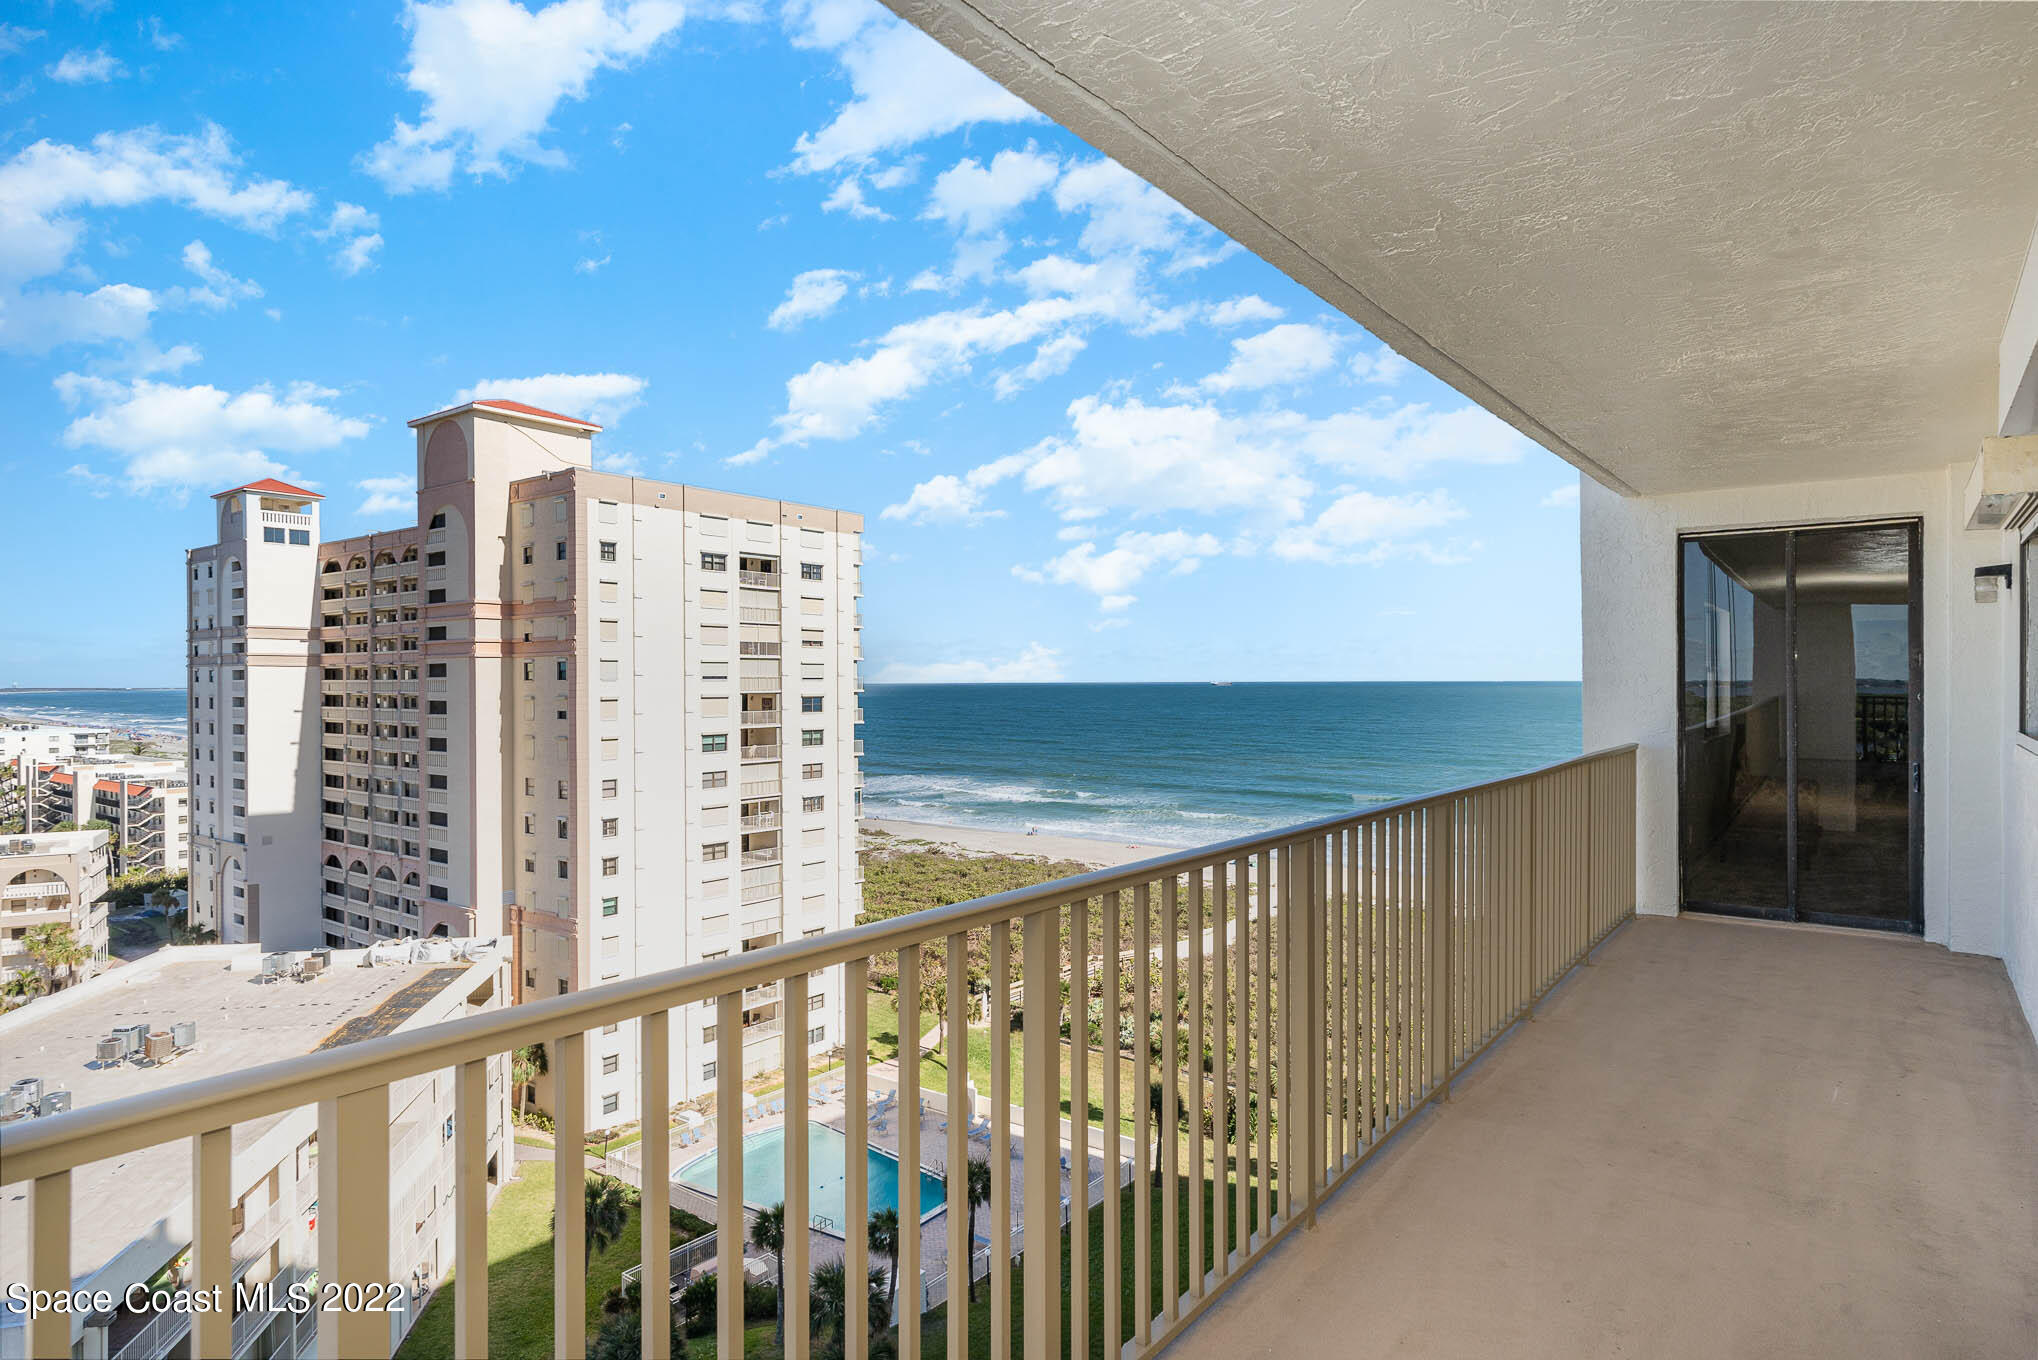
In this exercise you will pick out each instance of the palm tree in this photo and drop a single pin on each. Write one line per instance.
(54, 947)
(767, 1233)
(979, 1193)
(884, 1241)
(830, 1294)
(527, 1064)
(607, 1212)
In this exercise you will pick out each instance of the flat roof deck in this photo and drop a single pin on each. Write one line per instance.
(1727, 1138)
(242, 1023)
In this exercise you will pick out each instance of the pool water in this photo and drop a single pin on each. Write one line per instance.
(827, 1157)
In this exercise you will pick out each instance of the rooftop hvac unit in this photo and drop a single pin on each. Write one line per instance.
(184, 1034)
(315, 965)
(13, 1103)
(132, 1038)
(160, 1047)
(28, 1090)
(56, 1102)
(111, 1050)
(275, 964)
(324, 956)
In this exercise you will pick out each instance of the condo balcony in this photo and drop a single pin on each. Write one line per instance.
(768, 855)
(761, 580)
(760, 752)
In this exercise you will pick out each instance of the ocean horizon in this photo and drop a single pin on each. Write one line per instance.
(1164, 763)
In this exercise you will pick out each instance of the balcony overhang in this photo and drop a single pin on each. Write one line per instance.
(1680, 245)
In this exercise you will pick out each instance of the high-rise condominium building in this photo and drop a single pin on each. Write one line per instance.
(610, 718)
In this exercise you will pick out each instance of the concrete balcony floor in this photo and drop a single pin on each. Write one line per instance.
(1725, 1138)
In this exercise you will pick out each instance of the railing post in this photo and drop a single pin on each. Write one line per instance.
(729, 1227)
(568, 1064)
(856, 1171)
(1439, 820)
(353, 1216)
(49, 1230)
(470, 1209)
(796, 1222)
(211, 1235)
(1042, 1314)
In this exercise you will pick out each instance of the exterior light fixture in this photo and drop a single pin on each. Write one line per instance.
(1985, 582)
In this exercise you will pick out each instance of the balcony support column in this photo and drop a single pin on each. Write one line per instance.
(353, 1216)
(1042, 1101)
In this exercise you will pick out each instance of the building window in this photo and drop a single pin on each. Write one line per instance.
(609, 906)
(610, 866)
(562, 789)
(714, 561)
(610, 1103)
(609, 826)
(707, 1071)
(608, 788)
(609, 1064)
(608, 551)
(562, 868)
(300, 538)
(435, 559)
(816, 1002)
(562, 828)
(272, 535)
(715, 850)
(817, 1034)
(560, 668)
(530, 670)
(438, 521)
(811, 703)
(714, 779)
(718, 741)
(810, 771)
(527, 554)
(436, 671)
(812, 736)
(559, 551)
(813, 804)
(810, 571)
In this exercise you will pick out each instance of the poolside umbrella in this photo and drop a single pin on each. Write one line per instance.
(969, 1103)
(749, 1101)
(690, 1119)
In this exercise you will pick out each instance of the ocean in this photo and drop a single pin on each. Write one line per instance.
(1159, 764)
(1188, 764)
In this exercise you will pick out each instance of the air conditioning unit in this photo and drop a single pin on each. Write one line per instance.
(2002, 491)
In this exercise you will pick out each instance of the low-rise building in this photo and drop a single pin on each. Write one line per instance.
(57, 878)
(137, 1226)
(50, 741)
(144, 803)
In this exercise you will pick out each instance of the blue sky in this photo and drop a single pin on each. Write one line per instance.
(797, 252)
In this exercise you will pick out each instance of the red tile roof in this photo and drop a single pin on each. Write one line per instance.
(107, 786)
(273, 487)
(500, 405)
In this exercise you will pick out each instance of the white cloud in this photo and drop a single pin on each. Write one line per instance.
(359, 234)
(1144, 459)
(44, 185)
(1286, 354)
(623, 463)
(588, 264)
(813, 294)
(1563, 497)
(357, 254)
(1110, 574)
(37, 322)
(1035, 665)
(182, 439)
(975, 198)
(1404, 441)
(1126, 213)
(387, 495)
(1381, 366)
(217, 290)
(603, 398)
(161, 38)
(948, 499)
(97, 484)
(848, 198)
(1048, 361)
(1362, 527)
(904, 86)
(492, 73)
(1243, 311)
(13, 37)
(79, 67)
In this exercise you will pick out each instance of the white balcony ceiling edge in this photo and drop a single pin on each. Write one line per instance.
(1678, 244)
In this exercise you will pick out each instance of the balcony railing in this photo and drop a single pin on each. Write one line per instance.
(760, 821)
(758, 648)
(763, 580)
(1366, 959)
(771, 855)
(760, 753)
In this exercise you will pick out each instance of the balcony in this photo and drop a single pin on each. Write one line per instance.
(761, 580)
(769, 855)
(758, 648)
(1717, 1135)
(760, 752)
(761, 821)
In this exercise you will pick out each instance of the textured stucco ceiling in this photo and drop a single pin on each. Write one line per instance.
(1681, 244)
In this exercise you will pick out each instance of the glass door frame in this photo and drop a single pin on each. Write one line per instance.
(1914, 924)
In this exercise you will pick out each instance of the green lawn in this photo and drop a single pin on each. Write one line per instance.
(520, 1274)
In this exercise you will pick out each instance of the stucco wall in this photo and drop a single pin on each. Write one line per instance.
(1630, 670)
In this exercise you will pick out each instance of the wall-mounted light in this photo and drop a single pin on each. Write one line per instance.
(1986, 580)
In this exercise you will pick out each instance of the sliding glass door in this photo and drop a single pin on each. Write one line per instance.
(1798, 763)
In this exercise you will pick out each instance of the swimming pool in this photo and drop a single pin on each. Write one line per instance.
(827, 1158)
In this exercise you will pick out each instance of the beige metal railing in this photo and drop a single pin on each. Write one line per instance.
(1341, 973)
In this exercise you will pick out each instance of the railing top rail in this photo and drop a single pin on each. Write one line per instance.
(58, 1142)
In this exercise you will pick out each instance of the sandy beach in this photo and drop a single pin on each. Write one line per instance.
(970, 840)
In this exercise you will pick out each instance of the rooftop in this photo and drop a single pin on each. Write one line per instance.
(513, 407)
(49, 843)
(242, 1023)
(270, 486)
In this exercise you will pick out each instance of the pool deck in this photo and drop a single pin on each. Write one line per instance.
(824, 1245)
